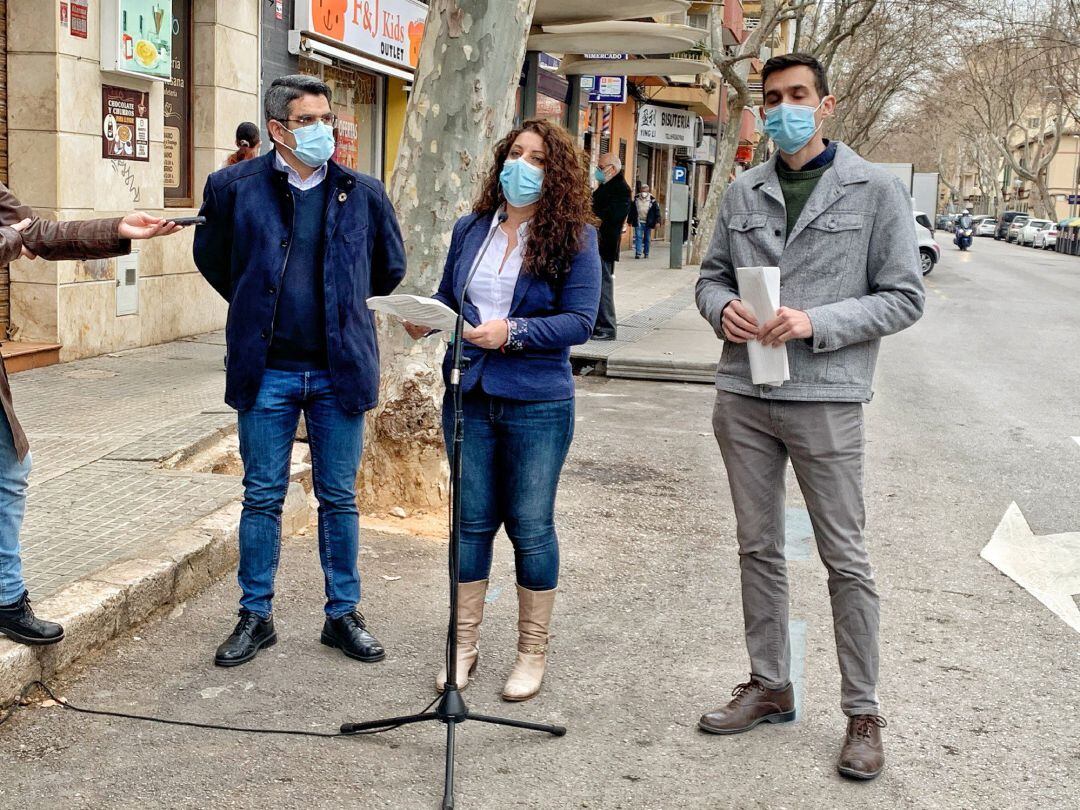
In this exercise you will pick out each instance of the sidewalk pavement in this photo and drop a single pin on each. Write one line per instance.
(115, 526)
(661, 335)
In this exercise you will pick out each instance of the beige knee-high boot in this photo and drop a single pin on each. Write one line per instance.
(534, 619)
(470, 606)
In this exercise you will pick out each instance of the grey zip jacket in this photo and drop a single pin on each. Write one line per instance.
(851, 263)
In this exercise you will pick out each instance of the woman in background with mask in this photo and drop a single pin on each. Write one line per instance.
(534, 295)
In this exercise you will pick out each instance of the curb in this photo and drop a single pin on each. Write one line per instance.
(127, 593)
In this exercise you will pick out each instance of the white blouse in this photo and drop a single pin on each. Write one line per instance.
(492, 287)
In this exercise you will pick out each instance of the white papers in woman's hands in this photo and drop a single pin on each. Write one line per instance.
(759, 289)
(417, 309)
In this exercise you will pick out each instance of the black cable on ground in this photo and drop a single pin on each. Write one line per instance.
(186, 723)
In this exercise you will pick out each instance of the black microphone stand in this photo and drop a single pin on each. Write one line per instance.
(451, 708)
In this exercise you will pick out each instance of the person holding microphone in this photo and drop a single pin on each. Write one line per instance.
(23, 233)
(535, 293)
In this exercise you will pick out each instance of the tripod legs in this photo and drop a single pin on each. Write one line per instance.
(556, 731)
(448, 783)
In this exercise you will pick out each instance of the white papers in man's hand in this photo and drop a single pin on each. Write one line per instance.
(416, 309)
(759, 289)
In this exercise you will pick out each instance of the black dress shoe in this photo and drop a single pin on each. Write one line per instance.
(603, 336)
(350, 635)
(252, 633)
(18, 622)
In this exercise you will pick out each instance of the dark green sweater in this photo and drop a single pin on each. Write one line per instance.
(797, 188)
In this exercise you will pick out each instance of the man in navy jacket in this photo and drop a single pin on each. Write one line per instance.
(296, 244)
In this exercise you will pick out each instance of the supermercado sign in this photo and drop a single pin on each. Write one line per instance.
(388, 29)
(665, 126)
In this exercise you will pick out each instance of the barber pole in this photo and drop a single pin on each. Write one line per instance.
(605, 120)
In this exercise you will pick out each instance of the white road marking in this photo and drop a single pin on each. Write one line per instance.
(1047, 567)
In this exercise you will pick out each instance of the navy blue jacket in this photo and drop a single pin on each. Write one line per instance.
(547, 317)
(242, 249)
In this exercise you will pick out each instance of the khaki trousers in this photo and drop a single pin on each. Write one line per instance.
(824, 441)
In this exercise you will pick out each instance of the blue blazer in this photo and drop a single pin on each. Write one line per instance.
(242, 248)
(547, 317)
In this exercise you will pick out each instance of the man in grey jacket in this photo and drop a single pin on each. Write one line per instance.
(841, 231)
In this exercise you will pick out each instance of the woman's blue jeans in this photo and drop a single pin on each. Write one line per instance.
(336, 438)
(14, 476)
(512, 455)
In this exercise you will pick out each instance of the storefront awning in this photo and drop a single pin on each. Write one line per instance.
(554, 12)
(633, 67)
(616, 37)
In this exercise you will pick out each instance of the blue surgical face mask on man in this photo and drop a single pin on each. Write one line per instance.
(791, 126)
(521, 182)
(314, 144)
(598, 173)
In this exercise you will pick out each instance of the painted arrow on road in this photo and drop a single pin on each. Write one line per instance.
(1046, 566)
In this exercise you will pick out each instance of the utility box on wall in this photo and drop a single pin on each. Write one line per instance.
(127, 284)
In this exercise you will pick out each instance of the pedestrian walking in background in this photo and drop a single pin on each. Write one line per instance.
(22, 233)
(611, 202)
(842, 234)
(535, 294)
(247, 144)
(643, 217)
(296, 243)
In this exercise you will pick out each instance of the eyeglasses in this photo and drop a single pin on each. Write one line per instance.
(307, 120)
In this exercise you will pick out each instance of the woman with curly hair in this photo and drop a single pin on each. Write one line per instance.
(534, 295)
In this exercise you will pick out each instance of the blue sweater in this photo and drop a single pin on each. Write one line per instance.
(547, 317)
(299, 340)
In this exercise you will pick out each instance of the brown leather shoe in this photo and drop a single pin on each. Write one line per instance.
(863, 755)
(752, 704)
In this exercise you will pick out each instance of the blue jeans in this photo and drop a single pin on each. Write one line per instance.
(512, 455)
(642, 235)
(13, 485)
(336, 438)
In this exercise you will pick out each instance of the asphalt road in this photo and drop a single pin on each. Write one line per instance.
(975, 409)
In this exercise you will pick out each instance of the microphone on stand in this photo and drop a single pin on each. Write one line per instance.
(455, 373)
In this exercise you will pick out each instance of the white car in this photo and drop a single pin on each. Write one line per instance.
(1026, 234)
(987, 227)
(1047, 238)
(929, 250)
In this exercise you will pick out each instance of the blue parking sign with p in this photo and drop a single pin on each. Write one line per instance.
(678, 174)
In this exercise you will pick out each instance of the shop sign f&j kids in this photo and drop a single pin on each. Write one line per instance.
(388, 29)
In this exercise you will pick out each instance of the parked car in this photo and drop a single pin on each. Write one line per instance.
(1047, 237)
(945, 222)
(988, 227)
(1026, 234)
(1018, 223)
(1004, 221)
(929, 250)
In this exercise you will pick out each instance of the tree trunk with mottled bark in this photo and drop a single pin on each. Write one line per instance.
(735, 69)
(462, 102)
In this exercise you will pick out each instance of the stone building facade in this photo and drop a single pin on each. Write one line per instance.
(60, 157)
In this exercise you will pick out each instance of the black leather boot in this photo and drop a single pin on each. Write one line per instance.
(251, 634)
(18, 622)
(350, 635)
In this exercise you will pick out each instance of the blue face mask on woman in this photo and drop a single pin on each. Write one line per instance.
(314, 144)
(791, 126)
(521, 182)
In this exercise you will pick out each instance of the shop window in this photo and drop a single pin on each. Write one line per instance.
(178, 179)
(356, 101)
